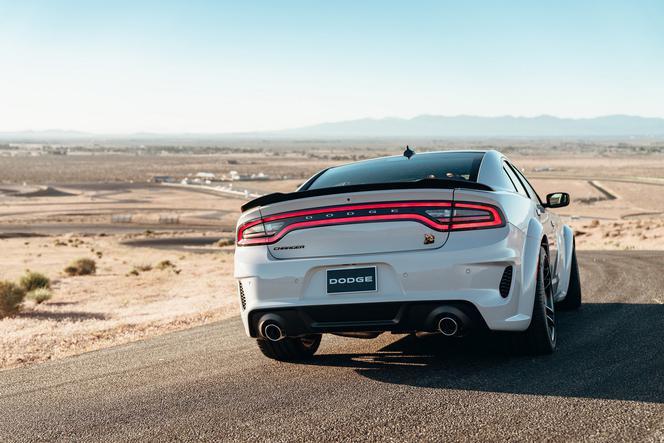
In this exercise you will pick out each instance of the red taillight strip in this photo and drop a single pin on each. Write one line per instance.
(246, 226)
(356, 207)
(464, 222)
(338, 221)
(496, 219)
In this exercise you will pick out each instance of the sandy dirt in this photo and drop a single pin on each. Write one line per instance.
(113, 306)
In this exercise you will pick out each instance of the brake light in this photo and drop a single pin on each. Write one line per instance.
(262, 229)
(475, 216)
(437, 215)
(468, 216)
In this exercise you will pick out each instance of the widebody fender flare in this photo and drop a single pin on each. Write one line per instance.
(566, 265)
(529, 263)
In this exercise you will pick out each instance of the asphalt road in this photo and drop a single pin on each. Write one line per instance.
(606, 382)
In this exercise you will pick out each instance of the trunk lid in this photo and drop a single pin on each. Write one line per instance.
(344, 224)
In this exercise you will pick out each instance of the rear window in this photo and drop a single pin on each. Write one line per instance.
(443, 165)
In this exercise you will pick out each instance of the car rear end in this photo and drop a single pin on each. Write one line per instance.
(431, 250)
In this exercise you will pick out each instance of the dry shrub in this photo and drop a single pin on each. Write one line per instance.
(34, 280)
(11, 297)
(137, 269)
(40, 295)
(82, 266)
(225, 242)
(164, 265)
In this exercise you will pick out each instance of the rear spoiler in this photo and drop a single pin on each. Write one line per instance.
(433, 183)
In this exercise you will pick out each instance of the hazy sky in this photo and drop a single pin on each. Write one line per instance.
(222, 66)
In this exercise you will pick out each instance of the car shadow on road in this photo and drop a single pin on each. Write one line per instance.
(605, 351)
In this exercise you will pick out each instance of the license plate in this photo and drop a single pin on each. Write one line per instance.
(351, 280)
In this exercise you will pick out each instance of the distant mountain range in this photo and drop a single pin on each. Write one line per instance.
(473, 126)
(420, 126)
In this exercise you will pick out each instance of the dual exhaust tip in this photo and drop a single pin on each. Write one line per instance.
(271, 327)
(272, 331)
(450, 322)
(448, 326)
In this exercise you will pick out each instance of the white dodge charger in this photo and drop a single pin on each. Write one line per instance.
(441, 242)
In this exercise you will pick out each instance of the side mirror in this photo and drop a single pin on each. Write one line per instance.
(557, 200)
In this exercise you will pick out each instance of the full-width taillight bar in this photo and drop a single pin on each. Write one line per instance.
(437, 215)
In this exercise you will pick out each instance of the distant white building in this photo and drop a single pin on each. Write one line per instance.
(260, 176)
(205, 175)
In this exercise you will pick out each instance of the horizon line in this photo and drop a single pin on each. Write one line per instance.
(271, 131)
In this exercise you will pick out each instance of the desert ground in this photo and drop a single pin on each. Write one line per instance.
(164, 251)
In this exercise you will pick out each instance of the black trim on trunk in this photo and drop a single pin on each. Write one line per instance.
(429, 183)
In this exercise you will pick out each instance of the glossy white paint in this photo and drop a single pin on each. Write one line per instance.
(465, 265)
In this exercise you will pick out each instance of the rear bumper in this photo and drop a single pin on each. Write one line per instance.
(467, 270)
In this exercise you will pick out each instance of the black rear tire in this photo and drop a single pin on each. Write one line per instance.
(573, 298)
(290, 348)
(541, 336)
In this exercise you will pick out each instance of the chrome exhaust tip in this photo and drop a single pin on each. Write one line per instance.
(273, 332)
(448, 326)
